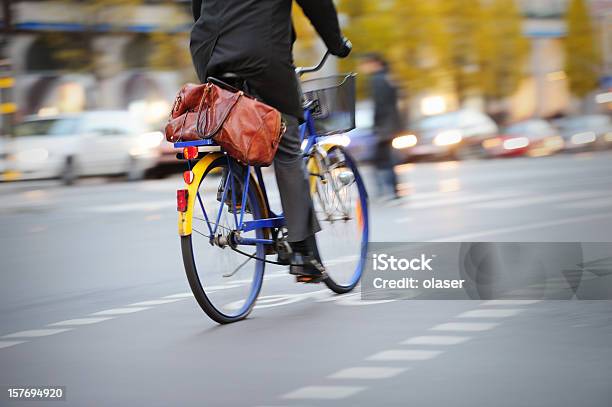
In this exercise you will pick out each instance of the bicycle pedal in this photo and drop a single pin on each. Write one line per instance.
(309, 279)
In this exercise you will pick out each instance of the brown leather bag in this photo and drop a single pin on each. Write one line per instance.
(247, 129)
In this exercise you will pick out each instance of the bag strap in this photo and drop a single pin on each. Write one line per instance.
(204, 95)
(224, 115)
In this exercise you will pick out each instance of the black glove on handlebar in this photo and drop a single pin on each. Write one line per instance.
(347, 47)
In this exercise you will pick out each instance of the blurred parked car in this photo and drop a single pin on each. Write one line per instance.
(534, 137)
(74, 145)
(456, 134)
(589, 132)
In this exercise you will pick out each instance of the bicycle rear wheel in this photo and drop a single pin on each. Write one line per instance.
(224, 282)
(341, 205)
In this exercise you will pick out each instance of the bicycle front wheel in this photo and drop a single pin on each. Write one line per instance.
(341, 205)
(224, 282)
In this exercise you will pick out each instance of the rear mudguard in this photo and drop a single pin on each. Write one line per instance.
(185, 219)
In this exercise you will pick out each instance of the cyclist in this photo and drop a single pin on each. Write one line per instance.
(253, 40)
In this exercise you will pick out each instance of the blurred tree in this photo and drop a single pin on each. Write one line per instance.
(583, 61)
(306, 37)
(502, 50)
(370, 27)
(420, 49)
(462, 20)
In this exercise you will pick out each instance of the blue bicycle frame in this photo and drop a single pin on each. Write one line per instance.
(307, 132)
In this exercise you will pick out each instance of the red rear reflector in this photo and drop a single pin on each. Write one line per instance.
(188, 177)
(190, 153)
(181, 200)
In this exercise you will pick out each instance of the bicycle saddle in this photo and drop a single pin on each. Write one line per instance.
(229, 81)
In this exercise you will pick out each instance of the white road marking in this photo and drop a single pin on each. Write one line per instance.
(340, 260)
(538, 199)
(8, 344)
(466, 199)
(399, 354)
(180, 295)
(121, 311)
(35, 333)
(323, 392)
(590, 204)
(490, 313)
(155, 302)
(509, 302)
(436, 340)
(80, 321)
(528, 226)
(274, 275)
(368, 373)
(465, 326)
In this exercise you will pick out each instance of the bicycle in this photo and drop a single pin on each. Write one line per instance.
(233, 215)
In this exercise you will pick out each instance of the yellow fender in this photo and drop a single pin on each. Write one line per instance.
(185, 218)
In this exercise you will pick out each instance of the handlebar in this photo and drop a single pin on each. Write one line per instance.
(310, 69)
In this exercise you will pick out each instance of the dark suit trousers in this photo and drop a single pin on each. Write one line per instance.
(293, 185)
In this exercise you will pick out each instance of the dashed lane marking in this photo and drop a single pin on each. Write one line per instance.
(35, 333)
(490, 313)
(528, 226)
(154, 302)
(399, 354)
(590, 204)
(367, 373)
(323, 392)
(509, 302)
(435, 340)
(180, 295)
(80, 321)
(539, 199)
(121, 311)
(465, 326)
(8, 344)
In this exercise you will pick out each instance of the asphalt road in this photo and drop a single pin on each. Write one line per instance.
(93, 297)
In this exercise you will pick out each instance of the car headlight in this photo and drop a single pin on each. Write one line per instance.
(405, 141)
(515, 143)
(35, 155)
(584, 138)
(448, 138)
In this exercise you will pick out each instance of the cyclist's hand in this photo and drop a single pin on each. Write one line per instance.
(346, 49)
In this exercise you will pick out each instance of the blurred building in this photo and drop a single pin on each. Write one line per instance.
(545, 93)
(71, 56)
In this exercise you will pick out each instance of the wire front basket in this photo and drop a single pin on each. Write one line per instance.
(332, 102)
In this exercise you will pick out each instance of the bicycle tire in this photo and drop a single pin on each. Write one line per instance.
(333, 285)
(191, 269)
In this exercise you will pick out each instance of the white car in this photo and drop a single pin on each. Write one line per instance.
(83, 144)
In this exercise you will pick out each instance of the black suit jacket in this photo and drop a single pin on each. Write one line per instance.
(254, 39)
